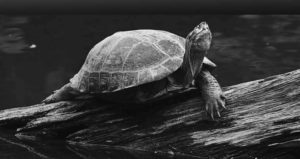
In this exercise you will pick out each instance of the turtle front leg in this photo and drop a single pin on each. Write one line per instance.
(212, 93)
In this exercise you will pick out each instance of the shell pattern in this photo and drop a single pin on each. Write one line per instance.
(129, 58)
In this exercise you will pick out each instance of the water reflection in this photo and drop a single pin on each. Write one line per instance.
(11, 36)
(38, 54)
(54, 149)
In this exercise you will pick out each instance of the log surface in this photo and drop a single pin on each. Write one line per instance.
(262, 120)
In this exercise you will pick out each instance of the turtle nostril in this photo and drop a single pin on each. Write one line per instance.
(203, 26)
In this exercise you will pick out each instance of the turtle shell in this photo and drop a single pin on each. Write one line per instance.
(130, 58)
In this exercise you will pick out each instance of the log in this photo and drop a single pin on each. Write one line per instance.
(262, 120)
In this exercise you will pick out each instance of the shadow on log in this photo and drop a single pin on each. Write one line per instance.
(262, 120)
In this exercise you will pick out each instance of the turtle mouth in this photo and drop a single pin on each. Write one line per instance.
(201, 38)
(202, 27)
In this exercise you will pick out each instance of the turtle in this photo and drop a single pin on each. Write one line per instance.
(145, 65)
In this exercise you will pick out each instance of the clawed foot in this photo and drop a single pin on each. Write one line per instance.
(214, 103)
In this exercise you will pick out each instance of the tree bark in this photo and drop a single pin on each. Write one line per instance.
(262, 120)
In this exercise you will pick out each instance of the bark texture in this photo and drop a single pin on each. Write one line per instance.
(262, 120)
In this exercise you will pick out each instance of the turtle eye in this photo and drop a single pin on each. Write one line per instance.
(198, 29)
(203, 26)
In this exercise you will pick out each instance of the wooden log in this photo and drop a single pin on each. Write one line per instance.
(262, 116)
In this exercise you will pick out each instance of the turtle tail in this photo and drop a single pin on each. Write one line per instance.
(64, 93)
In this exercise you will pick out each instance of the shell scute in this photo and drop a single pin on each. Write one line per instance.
(104, 81)
(117, 57)
(145, 76)
(94, 83)
(143, 56)
(127, 42)
(103, 47)
(159, 72)
(98, 54)
(115, 81)
(84, 81)
(172, 64)
(171, 48)
(130, 79)
(114, 62)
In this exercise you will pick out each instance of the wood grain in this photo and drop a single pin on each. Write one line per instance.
(262, 120)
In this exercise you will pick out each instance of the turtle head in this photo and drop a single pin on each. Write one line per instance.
(200, 37)
(196, 46)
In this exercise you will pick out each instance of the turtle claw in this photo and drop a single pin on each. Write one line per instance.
(222, 101)
(218, 111)
(210, 112)
(213, 103)
(219, 115)
(212, 115)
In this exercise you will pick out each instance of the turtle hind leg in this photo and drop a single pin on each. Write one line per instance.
(64, 93)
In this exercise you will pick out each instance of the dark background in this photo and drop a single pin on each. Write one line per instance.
(40, 53)
(150, 6)
(43, 43)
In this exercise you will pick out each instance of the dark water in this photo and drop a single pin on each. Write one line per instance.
(39, 54)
